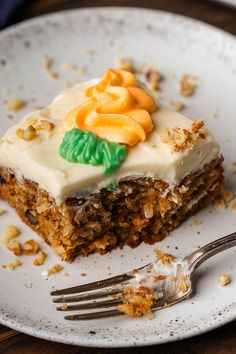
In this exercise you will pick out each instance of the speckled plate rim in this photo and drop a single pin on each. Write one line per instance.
(19, 325)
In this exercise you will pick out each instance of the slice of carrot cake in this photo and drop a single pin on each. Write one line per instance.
(105, 165)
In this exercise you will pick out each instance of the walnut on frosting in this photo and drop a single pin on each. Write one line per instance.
(27, 134)
(34, 126)
(182, 139)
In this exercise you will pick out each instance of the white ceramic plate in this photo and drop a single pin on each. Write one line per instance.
(96, 38)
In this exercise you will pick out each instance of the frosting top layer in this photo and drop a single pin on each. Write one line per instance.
(39, 160)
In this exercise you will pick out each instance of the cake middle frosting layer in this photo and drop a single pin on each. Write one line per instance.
(175, 148)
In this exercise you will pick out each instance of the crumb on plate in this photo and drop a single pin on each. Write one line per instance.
(224, 279)
(12, 265)
(16, 105)
(188, 84)
(40, 259)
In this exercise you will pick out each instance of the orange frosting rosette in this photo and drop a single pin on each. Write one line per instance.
(115, 109)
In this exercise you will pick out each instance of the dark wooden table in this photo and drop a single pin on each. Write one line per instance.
(220, 341)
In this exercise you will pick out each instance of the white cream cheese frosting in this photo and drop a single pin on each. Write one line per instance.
(39, 160)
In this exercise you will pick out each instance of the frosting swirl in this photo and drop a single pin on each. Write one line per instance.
(115, 109)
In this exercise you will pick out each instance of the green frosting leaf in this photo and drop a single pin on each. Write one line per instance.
(85, 147)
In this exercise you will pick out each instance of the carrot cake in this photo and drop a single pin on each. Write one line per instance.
(106, 165)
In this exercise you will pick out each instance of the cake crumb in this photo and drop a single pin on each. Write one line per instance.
(66, 274)
(188, 85)
(12, 265)
(137, 302)
(178, 106)
(30, 247)
(164, 258)
(56, 268)
(220, 203)
(125, 64)
(195, 223)
(224, 279)
(14, 246)
(11, 232)
(16, 105)
(40, 259)
(83, 274)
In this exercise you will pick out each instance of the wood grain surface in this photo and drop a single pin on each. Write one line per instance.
(220, 341)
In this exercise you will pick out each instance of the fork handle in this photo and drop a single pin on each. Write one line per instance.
(196, 258)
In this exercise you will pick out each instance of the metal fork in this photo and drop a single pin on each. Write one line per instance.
(88, 296)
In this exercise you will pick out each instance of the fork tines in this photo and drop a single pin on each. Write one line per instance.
(86, 297)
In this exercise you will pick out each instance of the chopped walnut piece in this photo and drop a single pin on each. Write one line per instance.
(54, 269)
(12, 232)
(177, 105)
(164, 258)
(137, 302)
(30, 247)
(27, 134)
(224, 279)
(12, 265)
(45, 125)
(15, 247)
(125, 64)
(40, 259)
(83, 274)
(188, 85)
(153, 77)
(15, 105)
(182, 139)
